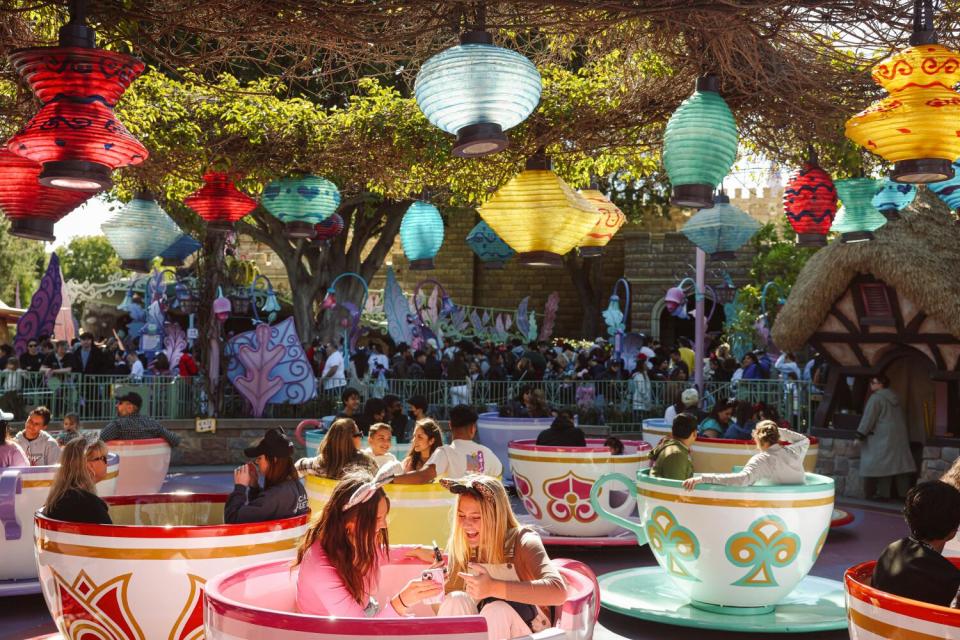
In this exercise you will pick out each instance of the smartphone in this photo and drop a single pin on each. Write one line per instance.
(434, 575)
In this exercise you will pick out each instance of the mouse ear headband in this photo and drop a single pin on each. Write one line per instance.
(471, 485)
(367, 490)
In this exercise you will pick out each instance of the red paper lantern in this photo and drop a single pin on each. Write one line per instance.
(31, 207)
(219, 202)
(76, 135)
(329, 228)
(810, 202)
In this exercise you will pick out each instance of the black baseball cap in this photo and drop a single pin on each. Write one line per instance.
(273, 444)
(131, 397)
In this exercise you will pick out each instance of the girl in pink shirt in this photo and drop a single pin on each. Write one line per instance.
(341, 553)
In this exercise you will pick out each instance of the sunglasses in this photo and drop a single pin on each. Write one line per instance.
(97, 459)
(32, 346)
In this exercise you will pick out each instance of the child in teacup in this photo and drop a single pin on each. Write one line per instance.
(775, 464)
(71, 429)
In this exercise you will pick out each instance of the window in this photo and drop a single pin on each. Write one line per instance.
(877, 309)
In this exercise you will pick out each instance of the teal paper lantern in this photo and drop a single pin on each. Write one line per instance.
(894, 197)
(488, 246)
(140, 232)
(301, 203)
(721, 229)
(421, 234)
(182, 248)
(857, 219)
(699, 145)
(949, 190)
(477, 91)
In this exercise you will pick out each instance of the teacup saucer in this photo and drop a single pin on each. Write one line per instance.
(840, 518)
(19, 587)
(647, 593)
(621, 538)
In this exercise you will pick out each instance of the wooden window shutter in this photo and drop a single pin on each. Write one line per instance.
(877, 309)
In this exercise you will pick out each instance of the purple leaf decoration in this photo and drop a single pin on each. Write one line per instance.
(550, 315)
(477, 323)
(258, 360)
(298, 382)
(500, 331)
(41, 316)
(397, 309)
(522, 325)
(174, 342)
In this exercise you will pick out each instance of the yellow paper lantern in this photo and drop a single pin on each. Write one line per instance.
(539, 215)
(916, 127)
(611, 219)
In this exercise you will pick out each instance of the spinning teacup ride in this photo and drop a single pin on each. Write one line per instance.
(876, 614)
(258, 602)
(312, 437)
(733, 558)
(144, 576)
(23, 490)
(721, 455)
(496, 432)
(554, 485)
(143, 465)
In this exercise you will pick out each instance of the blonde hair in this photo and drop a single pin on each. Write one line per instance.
(379, 426)
(73, 473)
(952, 476)
(767, 432)
(498, 525)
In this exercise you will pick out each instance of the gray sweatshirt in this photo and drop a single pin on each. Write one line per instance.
(777, 465)
(42, 450)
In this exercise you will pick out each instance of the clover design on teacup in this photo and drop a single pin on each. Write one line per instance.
(672, 542)
(766, 544)
(569, 497)
(525, 492)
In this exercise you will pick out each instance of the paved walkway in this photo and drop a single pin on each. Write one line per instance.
(874, 526)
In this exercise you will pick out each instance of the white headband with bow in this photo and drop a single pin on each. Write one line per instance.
(364, 492)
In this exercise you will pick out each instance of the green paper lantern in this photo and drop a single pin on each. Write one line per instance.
(700, 145)
(301, 203)
(720, 230)
(857, 219)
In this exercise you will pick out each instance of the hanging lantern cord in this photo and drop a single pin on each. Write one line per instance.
(76, 33)
(923, 32)
(812, 155)
(481, 17)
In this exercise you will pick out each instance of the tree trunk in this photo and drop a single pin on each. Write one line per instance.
(212, 271)
(581, 273)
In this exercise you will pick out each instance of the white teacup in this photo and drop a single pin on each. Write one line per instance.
(143, 465)
(143, 576)
(23, 490)
(496, 432)
(745, 547)
(554, 484)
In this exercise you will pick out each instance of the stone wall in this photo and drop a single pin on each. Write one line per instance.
(839, 458)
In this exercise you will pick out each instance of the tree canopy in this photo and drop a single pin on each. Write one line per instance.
(89, 259)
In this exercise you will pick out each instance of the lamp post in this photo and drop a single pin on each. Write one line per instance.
(330, 301)
(700, 320)
(618, 337)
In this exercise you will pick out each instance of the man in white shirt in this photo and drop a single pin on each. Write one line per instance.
(136, 366)
(333, 373)
(461, 457)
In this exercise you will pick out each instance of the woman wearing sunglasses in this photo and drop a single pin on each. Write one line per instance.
(338, 452)
(73, 497)
(497, 567)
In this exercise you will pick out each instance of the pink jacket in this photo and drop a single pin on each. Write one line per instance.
(320, 590)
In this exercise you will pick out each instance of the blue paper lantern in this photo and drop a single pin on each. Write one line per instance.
(301, 203)
(421, 234)
(721, 229)
(894, 197)
(857, 219)
(949, 190)
(477, 91)
(488, 246)
(139, 232)
(180, 250)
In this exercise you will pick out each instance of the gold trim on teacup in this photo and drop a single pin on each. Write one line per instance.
(31, 484)
(209, 553)
(884, 629)
(734, 502)
(575, 460)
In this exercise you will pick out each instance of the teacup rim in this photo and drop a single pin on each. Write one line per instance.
(814, 483)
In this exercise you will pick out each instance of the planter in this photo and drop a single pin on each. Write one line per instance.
(719, 455)
(143, 465)
(23, 490)
(554, 484)
(258, 603)
(143, 576)
(496, 432)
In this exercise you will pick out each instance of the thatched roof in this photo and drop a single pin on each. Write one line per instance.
(919, 255)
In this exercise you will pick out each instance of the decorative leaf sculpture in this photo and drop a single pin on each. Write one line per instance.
(476, 322)
(293, 370)
(522, 325)
(41, 316)
(174, 342)
(397, 310)
(531, 327)
(499, 330)
(258, 359)
(550, 316)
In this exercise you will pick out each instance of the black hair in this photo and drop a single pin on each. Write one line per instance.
(882, 379)
(683, 425)
(418, 401)
(615, 444)
(347, 393)
(932, 510)
(562, 421)
(462, 416)
(390, 399)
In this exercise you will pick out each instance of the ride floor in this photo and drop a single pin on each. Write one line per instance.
(874, 526)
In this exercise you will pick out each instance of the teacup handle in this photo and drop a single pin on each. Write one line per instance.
(630, 525)
(10, 486)
(300, 427)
